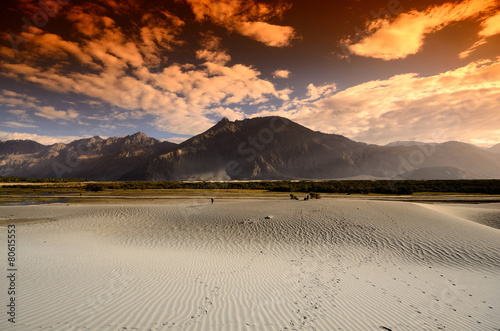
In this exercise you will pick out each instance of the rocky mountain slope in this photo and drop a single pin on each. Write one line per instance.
(92, 158)
(252, 149)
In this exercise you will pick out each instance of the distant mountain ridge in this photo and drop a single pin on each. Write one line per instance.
(91, 158)
(263, 148)
(409, 143)
(495, 148)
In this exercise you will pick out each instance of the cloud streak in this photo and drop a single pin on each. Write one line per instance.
(18, 100)
(18, 125)
(248, 18)
(489, 28)
(403, 36)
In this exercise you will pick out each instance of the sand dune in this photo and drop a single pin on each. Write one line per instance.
(315, 265)
(487, 214)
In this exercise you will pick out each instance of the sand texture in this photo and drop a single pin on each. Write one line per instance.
(324, 264)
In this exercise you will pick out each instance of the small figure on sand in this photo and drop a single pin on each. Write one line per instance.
(212, 200)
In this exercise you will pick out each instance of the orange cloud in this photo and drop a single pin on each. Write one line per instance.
(179, 97)
(247, 18)
(212, 50)
(281, 74)
(158, 29)
(15, 69)
(53, 46)
(7, 52)
(269, 34)
(42, 10)
(89, 19)
(389, 40)
(460, 104)
(226, 12)
(159, 32)
(101, 43)
(490, 27)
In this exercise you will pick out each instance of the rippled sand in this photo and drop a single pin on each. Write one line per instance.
(325, 264)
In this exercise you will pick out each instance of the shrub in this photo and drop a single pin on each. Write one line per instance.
(315, 195)
(94, 187)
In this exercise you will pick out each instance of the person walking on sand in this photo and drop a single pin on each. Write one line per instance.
(212, 200)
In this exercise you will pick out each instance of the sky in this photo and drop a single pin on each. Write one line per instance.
(373, 71)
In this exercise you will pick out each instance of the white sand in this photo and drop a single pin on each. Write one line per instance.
(316, 265)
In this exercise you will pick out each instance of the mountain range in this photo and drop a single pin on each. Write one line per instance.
(264, 148)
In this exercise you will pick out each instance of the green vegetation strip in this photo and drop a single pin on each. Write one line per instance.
(394, 187)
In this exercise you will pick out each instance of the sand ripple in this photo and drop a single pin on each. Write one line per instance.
(314, 265)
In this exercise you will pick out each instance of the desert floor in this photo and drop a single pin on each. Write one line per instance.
(254, 264)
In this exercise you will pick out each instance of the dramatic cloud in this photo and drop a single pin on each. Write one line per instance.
(461, 104)
(403, 36)
(182, 98)
(490, 27)
(247, 18)
(55, 47)
(281, 74)
(157, 30)
(179, 97)
(179, 66)
(160, 31)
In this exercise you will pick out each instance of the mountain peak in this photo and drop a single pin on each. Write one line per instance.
(140, 135)
(140, 138)
(223, 124)
(224, 120)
